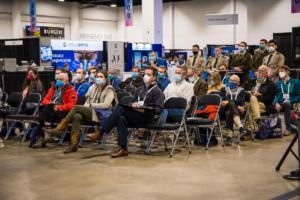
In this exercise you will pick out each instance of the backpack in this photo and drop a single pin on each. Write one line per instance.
(271, 129)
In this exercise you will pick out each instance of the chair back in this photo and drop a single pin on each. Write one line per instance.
(176, 105)
(210, 99)
(15, 99)
(31, 103)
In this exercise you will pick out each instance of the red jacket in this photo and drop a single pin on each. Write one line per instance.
(69, 98)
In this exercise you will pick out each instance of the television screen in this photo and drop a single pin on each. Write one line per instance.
(46, 54)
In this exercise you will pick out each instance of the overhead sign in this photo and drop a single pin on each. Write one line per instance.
(295, 6)
(45, 31)
(13, 43)
(224, 19)
(141, 47)
(73, 45)
(32, 10)
(128, 12)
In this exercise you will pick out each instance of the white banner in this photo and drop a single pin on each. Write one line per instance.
(115, 55)
(73, 45)
(223, 19)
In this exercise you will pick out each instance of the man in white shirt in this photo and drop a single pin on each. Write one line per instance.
(180, 88)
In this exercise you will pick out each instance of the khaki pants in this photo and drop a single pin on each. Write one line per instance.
(256, 107)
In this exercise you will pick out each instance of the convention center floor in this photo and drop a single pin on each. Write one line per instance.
(234, 173)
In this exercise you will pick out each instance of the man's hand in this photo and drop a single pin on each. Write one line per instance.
(224, 103)
(241, 108)
(256, 94)
(278, 107)
(55, 108)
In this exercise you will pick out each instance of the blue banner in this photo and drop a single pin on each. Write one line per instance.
(128, 12)
(32, 10)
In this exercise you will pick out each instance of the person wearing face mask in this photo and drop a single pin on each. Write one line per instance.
(156, 62)
(214, 83)
(288, 93)
(259, 54)
(241, 62)
(147, 103)
(196, 61)
(162, 77)
(172, 67)
(32, 83)
(274, 60)
(200, 86)
(60, 99)
(215, 62)
(262, 94)
(80, 84)
(114, 79)
(232, 106)
(135, 81)
(181, 88)
(101, 95)
(92, 74)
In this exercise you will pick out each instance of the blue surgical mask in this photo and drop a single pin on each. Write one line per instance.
(177, 78)
(134, 75)
(110, 77)
(99, 81)
(242, 49)
(160, 76)
(262, 47)
(59, 83)
(232, 85)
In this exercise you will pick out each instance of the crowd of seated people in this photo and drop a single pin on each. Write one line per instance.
(270, 87)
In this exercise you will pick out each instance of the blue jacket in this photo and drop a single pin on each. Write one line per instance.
(115, 82)
(291, 87)
(82, 88)
(163, 83)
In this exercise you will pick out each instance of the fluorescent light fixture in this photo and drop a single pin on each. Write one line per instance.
(114, 5)
(61, 0)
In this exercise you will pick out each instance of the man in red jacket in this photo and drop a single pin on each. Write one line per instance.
(59, 100)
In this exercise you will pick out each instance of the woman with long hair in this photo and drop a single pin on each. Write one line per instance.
(32, 83)
(100, 96)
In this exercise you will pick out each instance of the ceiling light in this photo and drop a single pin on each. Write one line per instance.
(114, 5)
(61, 0)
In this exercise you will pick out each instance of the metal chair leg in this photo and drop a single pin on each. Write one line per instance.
(62, 137)
(188, 138)
(209, 137)
(175, 142)
(9, 130)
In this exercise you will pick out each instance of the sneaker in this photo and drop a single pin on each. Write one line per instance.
(243, 132)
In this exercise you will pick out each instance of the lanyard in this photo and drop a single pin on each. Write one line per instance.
(232, 94)
(288, 88)
(139, 98)
(79, 88)
(56, 98)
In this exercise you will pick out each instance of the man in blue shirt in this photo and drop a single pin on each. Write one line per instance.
(80, 84)
(114, 79)
(163, 79)
(156, 62)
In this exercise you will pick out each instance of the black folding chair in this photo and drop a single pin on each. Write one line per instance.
(196, 122)
(172, 125)
(27, 115)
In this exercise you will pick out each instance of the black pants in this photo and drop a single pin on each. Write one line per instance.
(227, 113)
(48, 114)
(122, 118)
(286, 109)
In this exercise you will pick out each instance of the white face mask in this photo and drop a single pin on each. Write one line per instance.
(271, 49)
(192, 79)
(282, 75)
(147, 79)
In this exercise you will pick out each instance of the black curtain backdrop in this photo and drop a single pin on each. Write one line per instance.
(30, 50)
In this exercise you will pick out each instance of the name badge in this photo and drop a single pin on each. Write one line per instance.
(286, 96)
(140, 103)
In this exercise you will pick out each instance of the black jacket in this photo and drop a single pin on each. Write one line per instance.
(154, 99)
(268, 91)
(239, 100)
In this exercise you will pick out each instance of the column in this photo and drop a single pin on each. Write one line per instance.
(75, 21)
(16, 19)
(152, 18)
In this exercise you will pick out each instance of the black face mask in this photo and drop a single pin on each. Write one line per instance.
(195, 53)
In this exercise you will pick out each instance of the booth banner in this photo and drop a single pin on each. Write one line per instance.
(32, 16)
(115, 55)
(45, 31)
(76, 54)
(295, 6)
(128, 12)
